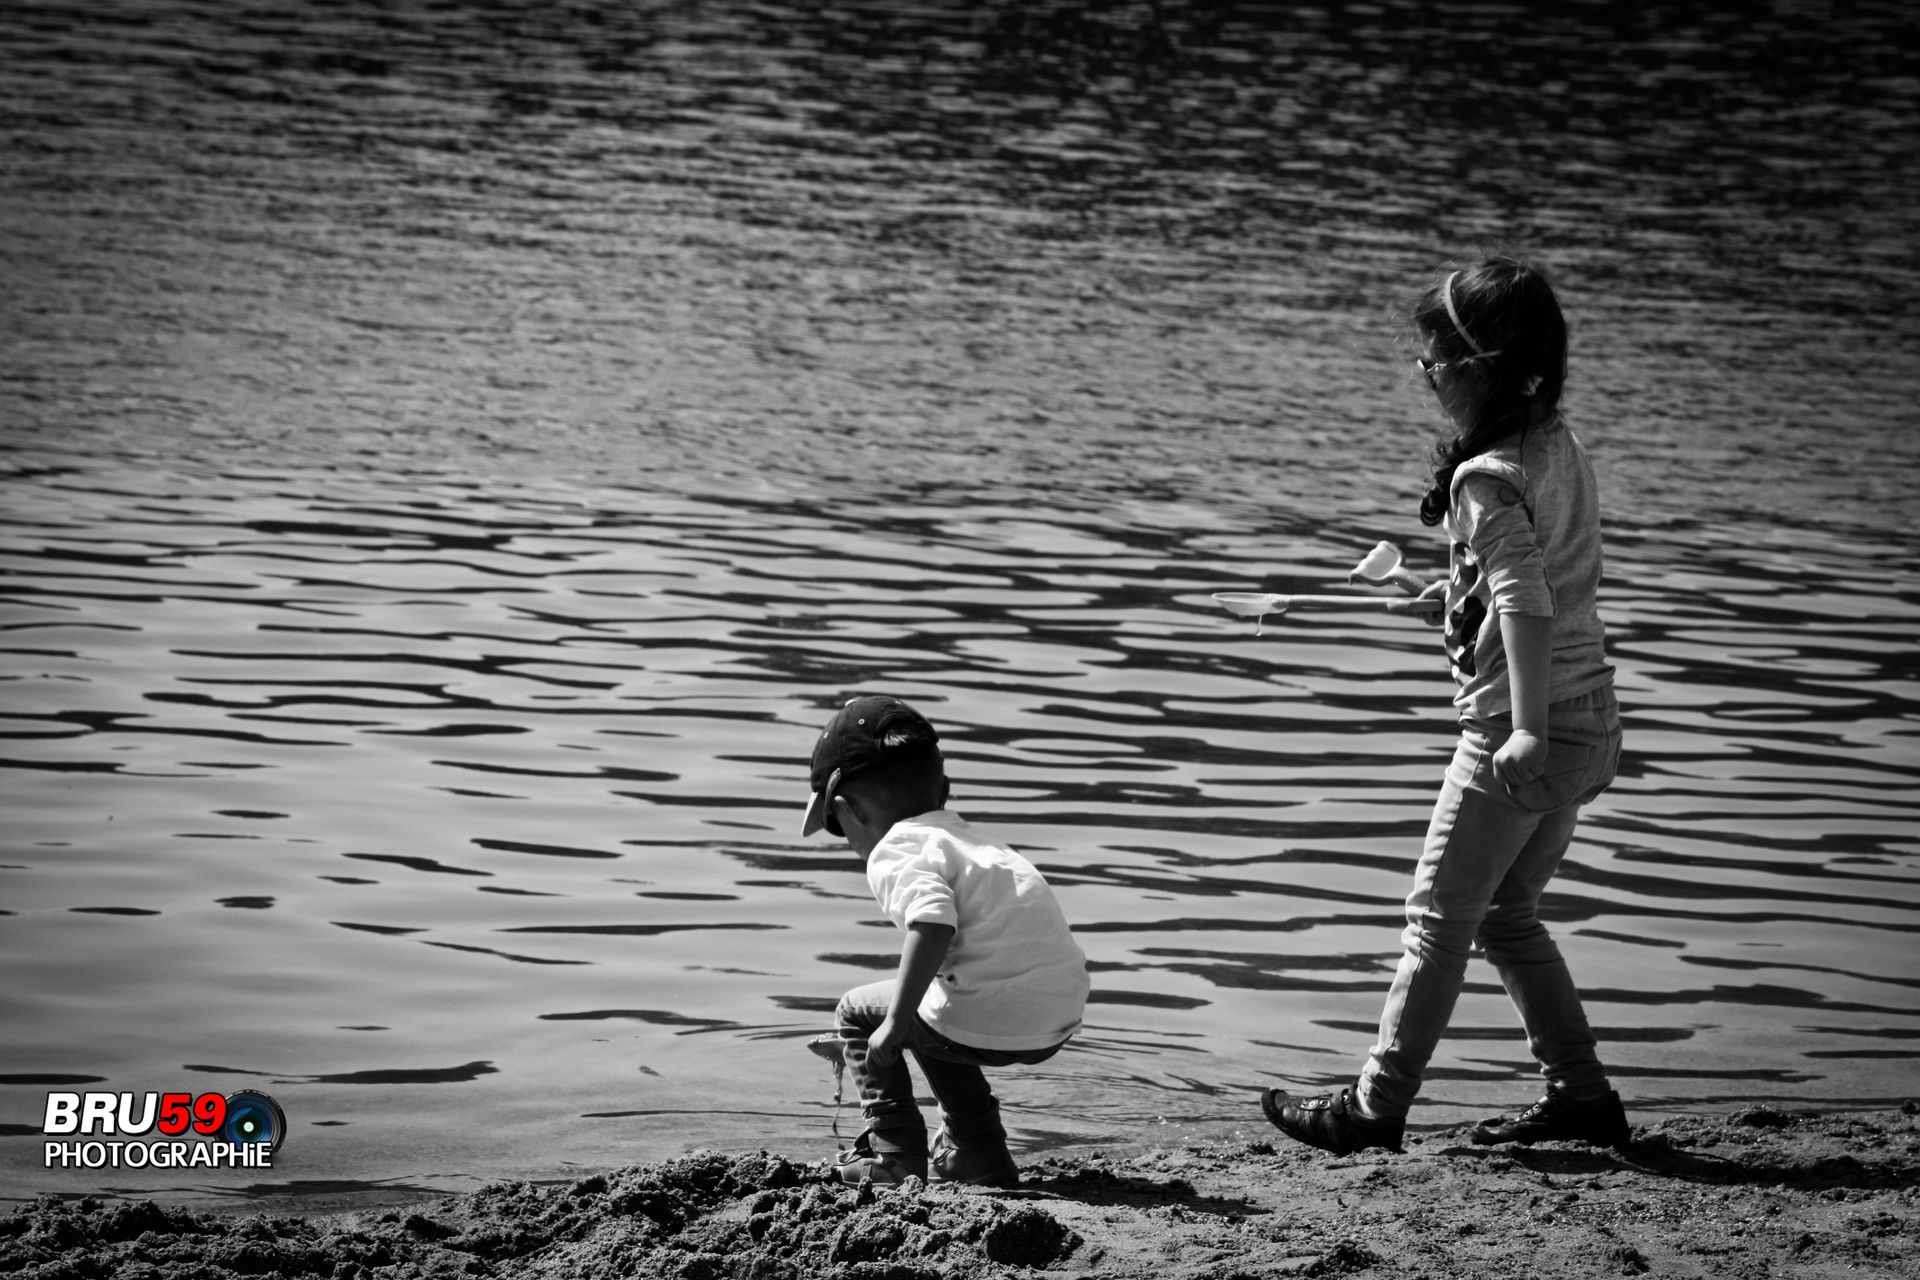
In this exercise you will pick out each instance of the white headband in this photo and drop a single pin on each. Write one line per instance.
(1446, 295)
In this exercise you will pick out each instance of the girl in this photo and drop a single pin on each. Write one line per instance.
(1540, 730)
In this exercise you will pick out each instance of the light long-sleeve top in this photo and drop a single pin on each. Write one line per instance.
(1524, 520)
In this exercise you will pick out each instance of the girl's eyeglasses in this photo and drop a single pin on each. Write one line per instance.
(1432, 367)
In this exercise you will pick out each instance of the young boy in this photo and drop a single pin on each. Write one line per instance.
(989, 972)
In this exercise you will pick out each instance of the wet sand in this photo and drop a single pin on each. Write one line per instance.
(1758, 1192)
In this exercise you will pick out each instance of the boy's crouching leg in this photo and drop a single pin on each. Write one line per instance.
(893, 1147)
(886, 1099)
(886, 1091)
(984, 1162)
(972, 1143)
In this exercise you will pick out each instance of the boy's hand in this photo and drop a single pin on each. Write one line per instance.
(884, 1045)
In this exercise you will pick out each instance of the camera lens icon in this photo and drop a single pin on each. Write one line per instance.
(254, 1117)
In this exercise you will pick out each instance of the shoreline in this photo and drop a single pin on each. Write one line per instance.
(1760, 1191)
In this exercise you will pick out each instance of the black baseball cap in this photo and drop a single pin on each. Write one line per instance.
(861, 734)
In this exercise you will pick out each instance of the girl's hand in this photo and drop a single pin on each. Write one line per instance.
(1435, 591)
(1520, 759)
(885, 1043)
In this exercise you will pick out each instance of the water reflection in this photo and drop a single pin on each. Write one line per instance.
(1228, 818)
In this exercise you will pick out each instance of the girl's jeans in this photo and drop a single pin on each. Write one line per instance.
(1488, 856)
(967, 1105)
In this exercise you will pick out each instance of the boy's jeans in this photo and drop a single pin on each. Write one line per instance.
(1488, 856)
(967, 1105)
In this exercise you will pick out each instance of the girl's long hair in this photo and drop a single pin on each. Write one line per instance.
(1507, 307)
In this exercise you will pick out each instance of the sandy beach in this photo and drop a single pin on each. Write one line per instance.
(1759, 1192)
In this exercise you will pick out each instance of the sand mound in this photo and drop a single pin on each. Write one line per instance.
(1761, 1192)
(696, 1219)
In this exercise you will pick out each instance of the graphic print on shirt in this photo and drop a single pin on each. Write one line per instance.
(1465, 619)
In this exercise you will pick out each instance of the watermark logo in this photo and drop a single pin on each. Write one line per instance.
(172, 1130)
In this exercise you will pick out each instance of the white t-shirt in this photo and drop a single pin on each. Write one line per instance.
(1013, 978)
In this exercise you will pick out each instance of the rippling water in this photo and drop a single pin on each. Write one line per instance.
(455, 459)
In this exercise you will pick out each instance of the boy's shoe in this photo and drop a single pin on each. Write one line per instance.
(1601, 1122)
(1332, 1122)
(861, 1163)
(983, 1166)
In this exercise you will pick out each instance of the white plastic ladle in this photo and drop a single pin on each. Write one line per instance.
(1382, 566)
(1378, 567)
(1257, 604)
